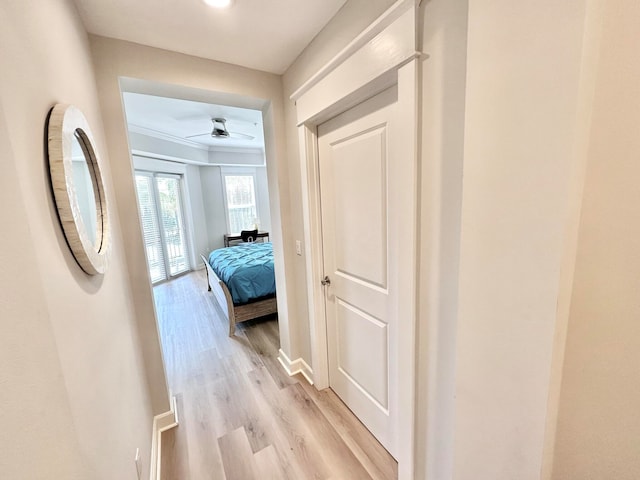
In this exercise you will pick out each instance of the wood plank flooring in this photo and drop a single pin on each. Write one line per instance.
(241, 416)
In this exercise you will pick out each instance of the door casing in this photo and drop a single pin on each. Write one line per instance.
(383, 55)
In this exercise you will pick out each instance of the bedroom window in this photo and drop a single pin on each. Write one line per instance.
(163, 229)
(240, 199)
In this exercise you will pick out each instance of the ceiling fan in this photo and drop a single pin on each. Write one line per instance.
(219, 130)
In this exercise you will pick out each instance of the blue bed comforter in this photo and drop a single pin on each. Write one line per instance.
(246, 269)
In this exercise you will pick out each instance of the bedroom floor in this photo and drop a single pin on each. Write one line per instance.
(241, 417)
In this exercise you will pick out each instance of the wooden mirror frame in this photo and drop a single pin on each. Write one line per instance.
(67, 125)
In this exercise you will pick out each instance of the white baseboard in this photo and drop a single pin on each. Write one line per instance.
(295, 366)
(161, 423)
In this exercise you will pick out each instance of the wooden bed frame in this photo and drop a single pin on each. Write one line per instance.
(236, 313)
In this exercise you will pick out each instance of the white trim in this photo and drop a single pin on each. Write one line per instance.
(149, 132)
(168, 158)
(238, 169)
(383, 55)
(232, 165)
(368, 70)
(161, 423)
(314, 260)
(256, 150)
(408, 102)
(296, 366)
(378, 26)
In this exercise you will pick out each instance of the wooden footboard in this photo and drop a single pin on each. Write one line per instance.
(236, 313)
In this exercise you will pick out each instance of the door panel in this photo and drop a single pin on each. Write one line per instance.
(355, 151)
(357, 327)
(360, 205)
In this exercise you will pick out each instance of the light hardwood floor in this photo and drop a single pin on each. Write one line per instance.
(241, 416)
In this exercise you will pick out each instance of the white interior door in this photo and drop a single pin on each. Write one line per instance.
(357, 171)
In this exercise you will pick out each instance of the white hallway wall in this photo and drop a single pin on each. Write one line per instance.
(74, 399)
(522, 118)
(444, 40)
(598, 420)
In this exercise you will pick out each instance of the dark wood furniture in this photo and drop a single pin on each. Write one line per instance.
(230, 237)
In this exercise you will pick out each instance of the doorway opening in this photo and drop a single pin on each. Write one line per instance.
(213, 157)
(200, 167)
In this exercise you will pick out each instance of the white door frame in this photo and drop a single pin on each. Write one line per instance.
(383, 55)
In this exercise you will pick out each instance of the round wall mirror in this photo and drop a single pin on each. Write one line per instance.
(78, 188)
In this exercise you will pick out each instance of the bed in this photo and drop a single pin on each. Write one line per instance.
(242, 280)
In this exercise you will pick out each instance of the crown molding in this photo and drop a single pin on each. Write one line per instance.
(185, 161)
(255, 150)
(368, 35)
(168, 158)
(149, 132)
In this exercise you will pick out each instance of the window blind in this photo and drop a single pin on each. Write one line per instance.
(150, 228)
(241, 202)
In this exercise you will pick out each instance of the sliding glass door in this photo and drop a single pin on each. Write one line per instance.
(163, 230)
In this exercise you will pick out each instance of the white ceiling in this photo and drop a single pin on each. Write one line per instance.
(175, 119)
(261, 34)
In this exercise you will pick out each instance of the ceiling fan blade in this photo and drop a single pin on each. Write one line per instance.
(204, 117)
(198, 135)
(242, 135)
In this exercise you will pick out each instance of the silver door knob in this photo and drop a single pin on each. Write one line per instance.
(325, 281)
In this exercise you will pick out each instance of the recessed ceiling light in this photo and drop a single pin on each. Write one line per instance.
(218, 3)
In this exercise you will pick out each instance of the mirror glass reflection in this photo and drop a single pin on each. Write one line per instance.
(83, 184)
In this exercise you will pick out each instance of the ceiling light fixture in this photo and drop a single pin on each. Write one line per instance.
(218, 3)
